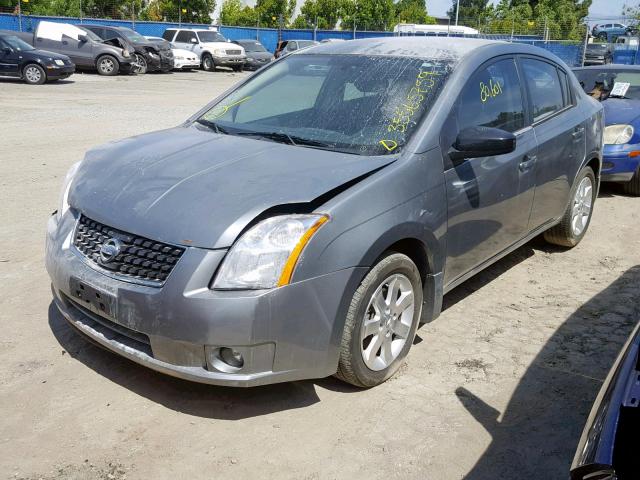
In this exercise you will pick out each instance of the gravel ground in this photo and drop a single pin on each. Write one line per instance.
(498, 387)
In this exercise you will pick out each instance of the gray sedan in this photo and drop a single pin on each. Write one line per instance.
(306, 222)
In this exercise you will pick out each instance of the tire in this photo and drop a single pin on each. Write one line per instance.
(142, 62)
(580, 209)
(392, 329)
(34, 74)
(632, 187)
(238, 68)
(107, 65)
(208, 65)
(603, 36)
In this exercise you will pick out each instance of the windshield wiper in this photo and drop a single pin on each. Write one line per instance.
(213, 126)
(286, 138)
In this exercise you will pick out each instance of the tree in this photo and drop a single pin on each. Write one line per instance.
(471, 11)
(270, 11)
(368, 14)
(234, 13)
(413, 11)
(325, 12)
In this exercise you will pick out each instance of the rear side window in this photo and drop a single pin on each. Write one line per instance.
(168, 35)
(493, 98)
(566, 92)
(544, 87)
(185, 36)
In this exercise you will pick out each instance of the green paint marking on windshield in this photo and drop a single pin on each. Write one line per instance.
(390, 145)
(225, 108)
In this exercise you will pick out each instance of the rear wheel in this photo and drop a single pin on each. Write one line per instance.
(632, 187)
(207, 63)
(576, 219)
(34, 74)
(381, 322)
(107, 65)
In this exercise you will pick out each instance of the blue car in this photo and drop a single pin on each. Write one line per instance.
(605, 31)
(618, 88)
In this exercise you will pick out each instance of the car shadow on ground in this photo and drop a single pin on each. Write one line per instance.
(18, 80)
(537, 433)
(191, 398)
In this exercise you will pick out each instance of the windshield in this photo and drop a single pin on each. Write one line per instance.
(252, 46)
(596, 46)
(306, 43)
(134, 36)
(600, 83)
(17, 44)
(206, 37)
(366, 105)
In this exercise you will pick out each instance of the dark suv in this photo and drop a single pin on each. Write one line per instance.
(150, 56)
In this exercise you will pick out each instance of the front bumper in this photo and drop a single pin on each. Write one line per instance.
(180, 63)
(595, 61)
(256, 63)
(595, 456)
(127, 65)
(619, 162)
(56, 72)
(284, 334)
(229, 61)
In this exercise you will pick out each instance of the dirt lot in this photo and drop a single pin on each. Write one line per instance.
(498, 387)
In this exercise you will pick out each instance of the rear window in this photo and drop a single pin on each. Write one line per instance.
(168, 34)
(598, 83)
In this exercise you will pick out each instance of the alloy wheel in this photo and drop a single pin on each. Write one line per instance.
(387, 323)
(582, 203)
(107, 65)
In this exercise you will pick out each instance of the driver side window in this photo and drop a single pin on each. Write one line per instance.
(493, 98)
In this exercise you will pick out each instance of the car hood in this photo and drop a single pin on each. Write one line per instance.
(259, 54)
(621, 111)
(183, 53)
(44, 54)
(193, 187)
(222, 46)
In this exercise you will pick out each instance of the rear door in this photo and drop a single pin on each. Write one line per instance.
(560, 133)
(488, 199)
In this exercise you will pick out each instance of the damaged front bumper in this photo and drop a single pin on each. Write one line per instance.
(283, 334)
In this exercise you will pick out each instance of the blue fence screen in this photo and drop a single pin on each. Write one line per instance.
(570, 52)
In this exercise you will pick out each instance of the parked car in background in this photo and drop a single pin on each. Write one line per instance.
(212, 48)
(618, 88)
(608, 447)
(182, 59)
(257, 55)
(150, 56)
(85, 49)
(20, 60)
(304, 223)
(287, 46)
(598, 54)
(606, 31)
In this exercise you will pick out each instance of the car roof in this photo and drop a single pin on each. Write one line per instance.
(420, 47)
(246, 40)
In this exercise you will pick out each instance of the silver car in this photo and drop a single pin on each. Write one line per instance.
(305, 223)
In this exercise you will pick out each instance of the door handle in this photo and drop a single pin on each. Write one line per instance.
(577, 132)
(527, 163)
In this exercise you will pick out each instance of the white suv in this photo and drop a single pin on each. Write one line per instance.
(211, 47)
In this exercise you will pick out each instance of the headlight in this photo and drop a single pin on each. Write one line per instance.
(59, 62)
(153, 54)
(266, 255)
(66, 186)
(617, 134)
(219, 52)
(126, 54)
(249, 59)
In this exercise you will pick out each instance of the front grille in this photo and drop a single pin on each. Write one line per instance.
(139, 257)
(233, 52)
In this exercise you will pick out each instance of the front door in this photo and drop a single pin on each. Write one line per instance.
(489, 199)
(8, 60)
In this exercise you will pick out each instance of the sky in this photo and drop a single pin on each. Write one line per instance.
(599, 8)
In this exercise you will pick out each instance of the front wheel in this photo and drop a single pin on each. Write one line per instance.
(208, 64)
(576, 219)
(381, 322)
(107, 65)
(632, 187)
(238, 68)
(142, 67)
(34, 74)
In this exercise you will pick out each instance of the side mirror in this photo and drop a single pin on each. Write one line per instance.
(83, 38)
(194, 40)
(477, 142)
